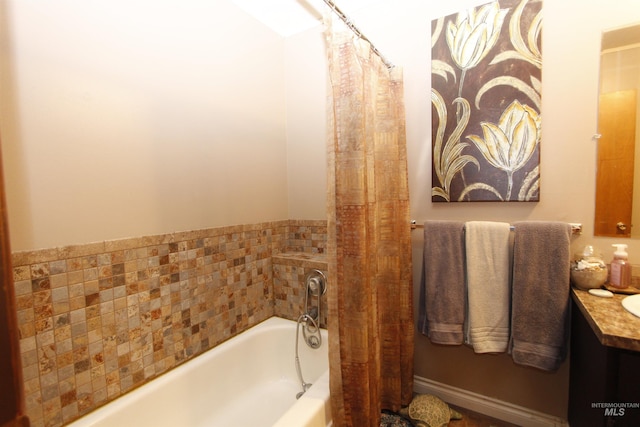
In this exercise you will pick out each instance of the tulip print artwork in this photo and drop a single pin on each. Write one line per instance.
(485, 96)
(511, 143)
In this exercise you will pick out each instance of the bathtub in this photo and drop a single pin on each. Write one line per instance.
(249, 380)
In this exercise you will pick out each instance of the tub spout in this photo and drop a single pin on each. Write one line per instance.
(305, 387)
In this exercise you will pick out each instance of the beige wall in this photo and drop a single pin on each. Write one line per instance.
(126, 118)
(118, 122)
(571, 41)
(401, 30)
(306, 103)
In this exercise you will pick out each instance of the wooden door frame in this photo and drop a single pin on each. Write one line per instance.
(12, 407)
(615, 163)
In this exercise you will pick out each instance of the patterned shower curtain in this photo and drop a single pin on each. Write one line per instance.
(370, 293)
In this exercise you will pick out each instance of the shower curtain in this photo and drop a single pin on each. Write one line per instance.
(370, 297)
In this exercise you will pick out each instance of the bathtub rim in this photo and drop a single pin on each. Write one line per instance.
(102, 412)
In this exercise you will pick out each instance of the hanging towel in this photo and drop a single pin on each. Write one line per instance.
(442, 295)
(540, 292)
(488, 286)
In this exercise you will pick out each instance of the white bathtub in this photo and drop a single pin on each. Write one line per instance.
(249, 380)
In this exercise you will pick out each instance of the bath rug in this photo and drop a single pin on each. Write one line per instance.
(390, 419)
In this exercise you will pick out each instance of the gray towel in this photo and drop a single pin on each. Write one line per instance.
(540, 294)
(442, 293)
(488, 250)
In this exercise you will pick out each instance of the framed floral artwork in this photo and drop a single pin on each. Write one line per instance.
(486, 69)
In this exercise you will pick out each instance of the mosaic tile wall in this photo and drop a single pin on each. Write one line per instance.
(290, 270)
(306, 244)
(307, 236)
(99, 319)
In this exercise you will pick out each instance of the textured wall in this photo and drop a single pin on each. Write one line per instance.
(99, 319)
(289, 285)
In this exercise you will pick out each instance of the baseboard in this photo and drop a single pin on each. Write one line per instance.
(494, 408)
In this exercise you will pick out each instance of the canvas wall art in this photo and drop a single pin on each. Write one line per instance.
(486, 68)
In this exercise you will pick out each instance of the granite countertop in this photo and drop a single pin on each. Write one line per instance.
(613, 325)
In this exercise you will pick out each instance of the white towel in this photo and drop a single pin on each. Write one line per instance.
(488, 285)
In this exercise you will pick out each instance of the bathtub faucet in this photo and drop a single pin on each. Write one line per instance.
(316, 284)
(313, 313)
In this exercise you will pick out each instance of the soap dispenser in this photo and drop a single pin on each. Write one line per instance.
(620, 268)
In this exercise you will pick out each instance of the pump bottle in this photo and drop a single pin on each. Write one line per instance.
(620, 267)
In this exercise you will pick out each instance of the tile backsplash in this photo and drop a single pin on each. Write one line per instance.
(99, 319)
(289, 284)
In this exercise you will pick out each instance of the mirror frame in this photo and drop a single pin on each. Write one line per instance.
(615, 210)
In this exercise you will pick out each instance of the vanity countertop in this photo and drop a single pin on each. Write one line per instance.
(613, 325)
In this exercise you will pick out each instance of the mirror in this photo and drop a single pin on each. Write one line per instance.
(618, 181)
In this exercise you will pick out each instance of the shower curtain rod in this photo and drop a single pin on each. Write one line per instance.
(357, 32)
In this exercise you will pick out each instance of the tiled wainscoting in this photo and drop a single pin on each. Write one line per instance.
(289, 279)
(99, 319)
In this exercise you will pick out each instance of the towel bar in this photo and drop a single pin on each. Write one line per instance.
(576, 228)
